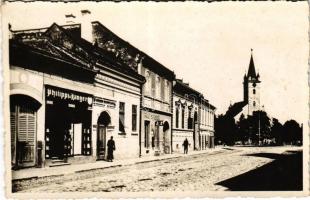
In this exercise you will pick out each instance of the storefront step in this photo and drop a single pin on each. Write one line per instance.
(57, 161)
(57, 164)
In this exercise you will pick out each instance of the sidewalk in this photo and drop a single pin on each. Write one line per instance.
(31, 173)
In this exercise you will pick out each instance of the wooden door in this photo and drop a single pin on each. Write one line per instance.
(101, 142)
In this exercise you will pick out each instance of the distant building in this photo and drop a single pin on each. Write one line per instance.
(185, 114)
(251, 94)
(206, 124)
(193, 118)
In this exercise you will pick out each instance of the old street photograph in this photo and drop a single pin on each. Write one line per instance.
(155, 97)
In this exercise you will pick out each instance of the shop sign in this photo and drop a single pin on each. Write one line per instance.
(64, 94)
(98, 101)
(151, 116)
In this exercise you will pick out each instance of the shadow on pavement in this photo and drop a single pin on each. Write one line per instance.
(282, 174)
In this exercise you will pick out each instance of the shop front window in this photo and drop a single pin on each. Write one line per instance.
(68, 123)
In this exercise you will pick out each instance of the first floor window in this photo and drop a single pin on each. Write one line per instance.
(190, 120)
(134, 118)
(122, 117)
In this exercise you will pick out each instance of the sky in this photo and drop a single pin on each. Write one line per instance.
(206, 44)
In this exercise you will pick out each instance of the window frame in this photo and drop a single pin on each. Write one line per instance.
(134, 117)
(121, 112)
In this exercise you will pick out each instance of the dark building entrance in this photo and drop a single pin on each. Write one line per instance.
(103, 121)
(68, 123)
(166, 137)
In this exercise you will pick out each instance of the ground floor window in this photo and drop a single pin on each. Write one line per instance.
(134, 118)
(121, 117)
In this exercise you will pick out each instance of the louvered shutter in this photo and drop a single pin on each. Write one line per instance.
(13, 134)
(26, 134)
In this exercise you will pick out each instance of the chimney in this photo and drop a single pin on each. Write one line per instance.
(70, 18)
(86, 26)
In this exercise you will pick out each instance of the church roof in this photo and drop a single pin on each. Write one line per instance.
(235, 109)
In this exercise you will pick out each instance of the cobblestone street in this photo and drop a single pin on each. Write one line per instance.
(200, 172)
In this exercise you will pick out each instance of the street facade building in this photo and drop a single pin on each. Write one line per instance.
(193, 118)
(185, 114)
(67, 97)
(206, 125)
(156, 113)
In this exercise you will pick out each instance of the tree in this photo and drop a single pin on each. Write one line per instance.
(225, 130)
(242, 129)
(254, 128)
(277, 131)
(292, 132)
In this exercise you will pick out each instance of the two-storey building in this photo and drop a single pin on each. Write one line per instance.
(185, 115)
(206, 124)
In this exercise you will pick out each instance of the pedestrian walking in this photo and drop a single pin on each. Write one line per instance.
(111, 148)
(185, 145)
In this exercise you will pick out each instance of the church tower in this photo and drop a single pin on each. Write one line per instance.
(251, 88)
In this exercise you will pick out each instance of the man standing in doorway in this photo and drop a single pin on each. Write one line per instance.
(111, 148)
(185, 145)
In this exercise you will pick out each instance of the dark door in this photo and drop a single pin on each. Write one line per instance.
(147, 135)
(101, 142)
(57, 121)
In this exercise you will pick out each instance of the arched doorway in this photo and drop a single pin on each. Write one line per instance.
(23, 122)
(166, 136)
(103, 121)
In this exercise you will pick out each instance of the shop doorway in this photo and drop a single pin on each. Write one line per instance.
(67, 124)
(166, 136)
(147, 135)
(23, 121)
(103, 121)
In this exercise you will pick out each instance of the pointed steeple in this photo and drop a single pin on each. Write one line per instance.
(251, 71)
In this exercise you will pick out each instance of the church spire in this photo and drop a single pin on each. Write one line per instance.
(251, 71)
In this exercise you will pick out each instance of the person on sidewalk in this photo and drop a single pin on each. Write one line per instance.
(111, 148)
(185, 145)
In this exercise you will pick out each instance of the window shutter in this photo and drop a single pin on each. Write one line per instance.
(26, 133)
(22, 127)
(13, 134)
